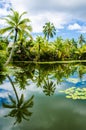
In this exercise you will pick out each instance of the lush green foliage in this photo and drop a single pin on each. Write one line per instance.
(16, 29)
(3, 55)
(41, 48)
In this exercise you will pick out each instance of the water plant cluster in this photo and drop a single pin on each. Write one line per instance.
(75, 93)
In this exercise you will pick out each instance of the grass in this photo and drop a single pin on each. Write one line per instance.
(54, 62)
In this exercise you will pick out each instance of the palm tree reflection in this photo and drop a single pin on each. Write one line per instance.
(19, 106)
(48, 87)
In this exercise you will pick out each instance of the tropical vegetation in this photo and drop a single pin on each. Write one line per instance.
(19, 45)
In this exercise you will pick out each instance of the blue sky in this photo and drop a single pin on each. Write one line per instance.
(69, 17)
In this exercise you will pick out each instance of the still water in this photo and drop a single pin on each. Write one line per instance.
(43, 97)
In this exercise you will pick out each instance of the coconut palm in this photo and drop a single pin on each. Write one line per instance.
(19, 106)
(81, 40)
(74, 43)
(49, 30)
(39, 41)
(15, 25)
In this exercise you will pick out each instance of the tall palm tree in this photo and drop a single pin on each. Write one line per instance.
(15, 25)
(81, 40)
(74, 43)
(49, 30)
(19, 107)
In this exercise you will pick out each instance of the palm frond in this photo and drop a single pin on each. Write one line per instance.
(28, 34)
(29, 28)
(8, 105)
(9, 22)
(21, 100)
(22, 15)
(24, 21)
(12, 100)
(13, 113)
(4, 30)
(29, 103)
(27, 112)
(24, 117)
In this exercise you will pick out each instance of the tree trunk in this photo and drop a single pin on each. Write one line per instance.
(48, 37)
(39, 51)
(12, 50)
(13, 88)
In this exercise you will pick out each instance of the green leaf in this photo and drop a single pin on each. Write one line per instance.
(12, 100)
(21, 100)
(8, 105)
(29, 103)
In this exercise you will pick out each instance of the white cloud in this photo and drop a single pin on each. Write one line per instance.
(83, 29)
(39, 20)
(79, 28)
(74, 26)
(4, 95)
(39, 16)
(3, 12)
(59, 12)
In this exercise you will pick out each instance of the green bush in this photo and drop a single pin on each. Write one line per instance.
(2, 59)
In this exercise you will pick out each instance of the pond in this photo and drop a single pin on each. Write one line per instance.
(43, 97)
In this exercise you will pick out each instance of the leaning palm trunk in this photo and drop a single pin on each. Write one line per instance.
(13, 88)
(12, 50)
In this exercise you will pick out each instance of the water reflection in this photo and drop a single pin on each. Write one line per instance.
(51, 109)
(19, 107)
(2, 78)
(48, 87)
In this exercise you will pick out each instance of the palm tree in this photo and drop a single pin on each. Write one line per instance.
(15, 25)
(39, 41)
(49, 30)
(74, 43)
(19, 106)
(81, 40)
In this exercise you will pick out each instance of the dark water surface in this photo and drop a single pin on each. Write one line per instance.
(55, 95)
